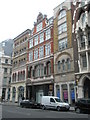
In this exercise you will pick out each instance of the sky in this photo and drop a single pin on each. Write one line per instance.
(18, 15)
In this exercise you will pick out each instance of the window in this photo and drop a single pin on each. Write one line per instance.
(63, 65)
(6, 60)
(47, 49)
(62, 28)
(5, 70)
(39, 27)
(89, 39)
(31, 43)
(42, 70)
(84, 61)
(36, 40)
(41, 37)
(83, 19)
(62, 14)
(31, 56)
(36, 54)
(62, 44)
(5, 81)
(41, 52)
(82, 41)
(48, 34)
(48, 68)
(68, 64)
(58, 65)
(52, 100)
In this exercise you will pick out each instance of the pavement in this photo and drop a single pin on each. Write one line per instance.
(16, 104)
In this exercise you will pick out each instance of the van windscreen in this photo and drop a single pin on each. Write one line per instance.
(58, 100)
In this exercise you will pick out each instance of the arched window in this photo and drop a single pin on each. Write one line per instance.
(68, 64)
(58, 65)
(42, 70)
(62, 14)
(48, 68)
(63, 65)
(83, 18)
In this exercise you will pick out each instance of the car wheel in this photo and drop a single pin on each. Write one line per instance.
(43, 107)
(58, 108)
(78, 110)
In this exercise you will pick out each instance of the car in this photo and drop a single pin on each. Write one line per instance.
(29, 104)
(82, 105)
(52, 102)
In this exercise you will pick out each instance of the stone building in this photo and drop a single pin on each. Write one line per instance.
(40, 59)
(5, 74)
(63, 53)
(81, 42)
(18, 83)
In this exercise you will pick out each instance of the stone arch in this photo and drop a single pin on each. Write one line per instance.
(64, 53)
(82, 79)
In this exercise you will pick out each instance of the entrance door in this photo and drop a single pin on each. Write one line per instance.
(87, 88)
(39, 95)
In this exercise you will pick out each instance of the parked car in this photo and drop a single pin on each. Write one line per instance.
(82, 105)
(29, 104)
(51, 102)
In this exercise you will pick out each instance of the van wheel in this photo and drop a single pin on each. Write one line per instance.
(78, 110)
(58, 108)
(43, 107)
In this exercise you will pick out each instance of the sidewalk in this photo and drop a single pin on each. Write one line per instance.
(9, 103)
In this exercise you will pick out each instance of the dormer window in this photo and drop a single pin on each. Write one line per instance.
(39, 27)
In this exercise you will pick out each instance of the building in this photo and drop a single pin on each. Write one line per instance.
(63, 53)
(81, 42)
(5, 69)
(40, 79)
(18, 83)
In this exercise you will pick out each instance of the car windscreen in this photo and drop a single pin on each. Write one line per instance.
(58, 100)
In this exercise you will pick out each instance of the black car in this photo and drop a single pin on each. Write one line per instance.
(82, 105)
(29, 104)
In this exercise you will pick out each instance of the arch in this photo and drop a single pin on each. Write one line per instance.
(64, 53)
(59, 10)
(82, 79)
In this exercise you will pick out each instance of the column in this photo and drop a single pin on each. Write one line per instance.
(78, 41)
(16, 97)
(87, 57)
(61, 92)
(25, 91)
(80, 92)
(79, 63)
(55, 89)
(6, 94)
(44, 68)
(86, 40)
(11, 93)
(69, 95)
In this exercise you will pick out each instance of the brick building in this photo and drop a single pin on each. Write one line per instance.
(40, 59)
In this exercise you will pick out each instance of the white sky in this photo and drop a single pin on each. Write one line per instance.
(18, 15)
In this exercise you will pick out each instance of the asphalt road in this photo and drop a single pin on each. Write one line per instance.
(17, 112)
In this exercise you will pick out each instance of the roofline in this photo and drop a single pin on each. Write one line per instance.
(23, 33)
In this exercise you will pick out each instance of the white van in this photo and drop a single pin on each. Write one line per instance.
(51, 102)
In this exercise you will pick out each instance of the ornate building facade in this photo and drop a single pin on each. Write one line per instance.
(40, 79)
(18, 83)
(63, 53)
(81, 42)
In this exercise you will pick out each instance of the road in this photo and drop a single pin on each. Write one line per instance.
(17, 112)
